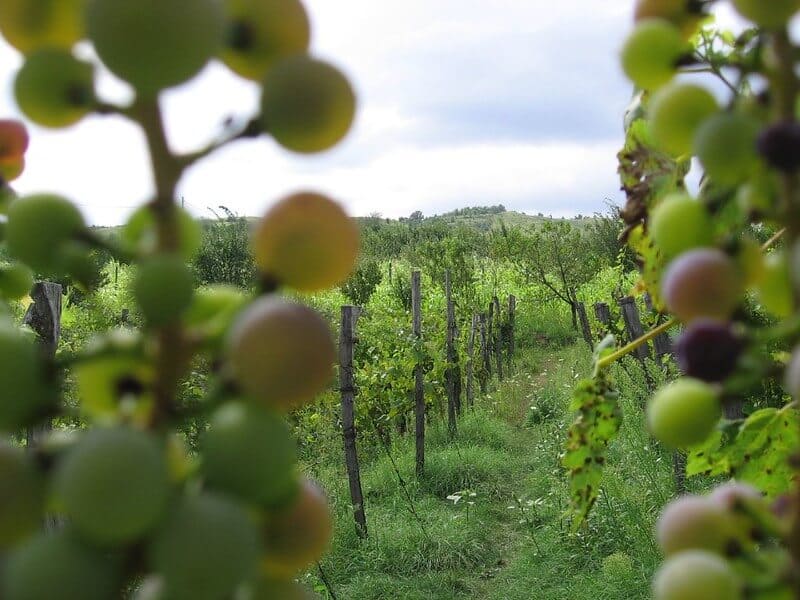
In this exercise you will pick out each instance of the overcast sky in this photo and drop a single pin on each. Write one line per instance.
(462, 103)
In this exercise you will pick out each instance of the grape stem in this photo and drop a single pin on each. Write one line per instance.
(625, 350)
(251, 129)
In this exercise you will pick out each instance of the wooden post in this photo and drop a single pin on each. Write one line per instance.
(347, 339)
(489, 340)
(484, 352)
(419, 394)
(471, 360)
(662, 344)
(512, 324)
(498, 337)
(679, 472)
(390, 272)
(585, 329)
(450, 374)
(633, 325)
(603, 314)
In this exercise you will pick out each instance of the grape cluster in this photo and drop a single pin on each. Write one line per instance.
(124, 506)
(709, 267)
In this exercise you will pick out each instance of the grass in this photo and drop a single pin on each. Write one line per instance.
(506, 537)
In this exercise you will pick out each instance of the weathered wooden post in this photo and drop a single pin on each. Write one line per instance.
(512, 324)
(498, 338)
(347, 340)
(419, 393)
(451, 373)
(679, 472)
(585, 328)
(489, 340)
(633, 325)
(484, 352)
(662, 344)
(471, 360)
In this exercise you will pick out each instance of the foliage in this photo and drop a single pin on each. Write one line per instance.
(225, 255)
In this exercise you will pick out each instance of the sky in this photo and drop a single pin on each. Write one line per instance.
(461, 103)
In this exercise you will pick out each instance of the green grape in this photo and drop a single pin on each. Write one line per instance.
(39, 226)
(281, 353)
(16, 281)
(25, 393)
(14, 138)
(261, 31)
(750, 261)
(248, 452)
(651, 53)
(32, 24)
(694, 522)
(53, 566)
(112, 385)
(113, 485)
(55, 89)
(163, 288)
(683, 413)
(307, 105)
(21, 496)
(696, 575)
(674, 11)
(298, 535)
(775, 288)
(141, 232)
(205, 548)
(680, 223)
(307, 242)
(772, 14)
(155, 44)
(703, 282)
(676, 111)
(11, 168)
(726, 146)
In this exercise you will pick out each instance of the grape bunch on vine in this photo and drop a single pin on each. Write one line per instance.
(121, 506)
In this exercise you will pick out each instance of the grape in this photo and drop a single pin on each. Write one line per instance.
(683, 413)
(261, 31)
(679, 223)
(298, 535)
(732, 493)
(701, 283)
(107, 382)
(281, 352)
(113, 485)
(16, 281)
(773, 14)
(758, 195)
(32, 24)
(676, 111)
(57, 566)
(25, 393)
(206, 547)
(155, 44)
(39, 226)
(696, 575)
(248, 452)
(750, 260)
(21, 496)
(708, 350)
(306, 241)
(55, 89)
(694, 522)
(674, 11)
(651, 53)
(140, 232)
(214, 308)
(779, 145)
(14, 138)
(775, 289)
(726, 146)
(163, 289)
(307, 105)
(11, 168)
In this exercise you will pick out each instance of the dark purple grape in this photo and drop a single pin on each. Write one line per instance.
(779, 145)
(708, 350)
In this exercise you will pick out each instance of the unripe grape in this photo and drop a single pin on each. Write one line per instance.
(112, 385)
(11, 168)
(113, 485)
(725, 144)
(214, 308)
(206, 547)
(155, 44)
(248, 452)
(55, 89)
(281, 353)
(261, 31)
(683, 413)
(679, 223)
(307, 242)
(772, 14)
(141, 232)
(25, 393)
(14, 138)
(298, 535)
(775, 288)
(708, 350)
(57, 566)
(696, 575)
(674, 11)
(307, 105)
(651, 53)
(21, 496)
(695, 523)
(676, 112)
(779, 145)
(32, 24)
(16, 281)
(729, 494)
(750, 260)
(701, 283)
(163, 289)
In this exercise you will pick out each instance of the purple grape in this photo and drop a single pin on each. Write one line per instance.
(708, 350)
(779, 145)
